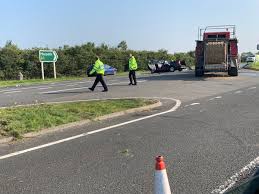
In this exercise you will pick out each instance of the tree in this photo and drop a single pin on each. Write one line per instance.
(11, 60)
(122, 45)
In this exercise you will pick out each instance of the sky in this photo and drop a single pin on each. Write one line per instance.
(143, 24)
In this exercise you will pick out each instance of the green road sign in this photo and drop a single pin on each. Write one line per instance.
(48, 56)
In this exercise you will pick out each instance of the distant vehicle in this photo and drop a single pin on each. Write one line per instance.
(156, 66)
(250, 59)
(217, 50)
(108, 70)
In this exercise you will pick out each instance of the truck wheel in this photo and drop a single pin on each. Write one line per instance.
(233, 71)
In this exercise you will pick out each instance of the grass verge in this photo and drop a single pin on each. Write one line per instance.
(255, 66)
(17, 121)
(36, 81)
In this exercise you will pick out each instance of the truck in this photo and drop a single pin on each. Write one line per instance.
(217, 50)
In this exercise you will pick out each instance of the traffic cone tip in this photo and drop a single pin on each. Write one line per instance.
(160, 164)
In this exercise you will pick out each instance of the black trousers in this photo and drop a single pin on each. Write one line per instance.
(99, 78)
(132, 77)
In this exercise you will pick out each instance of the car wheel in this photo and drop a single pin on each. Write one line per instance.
(172, 69)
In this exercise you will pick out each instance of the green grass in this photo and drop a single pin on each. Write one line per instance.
(36, 81)
(17, 121)
(255, 65)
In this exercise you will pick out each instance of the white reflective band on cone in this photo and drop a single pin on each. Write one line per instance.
(161, 182)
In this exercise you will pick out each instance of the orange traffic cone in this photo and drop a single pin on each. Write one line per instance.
(161, 180)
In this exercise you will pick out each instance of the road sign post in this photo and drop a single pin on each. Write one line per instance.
(54, 66)
(48, 56)
(258, 47)
(42, 70)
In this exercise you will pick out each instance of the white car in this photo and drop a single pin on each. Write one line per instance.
(250, 59)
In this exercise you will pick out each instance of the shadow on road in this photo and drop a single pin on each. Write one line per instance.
(184, 76)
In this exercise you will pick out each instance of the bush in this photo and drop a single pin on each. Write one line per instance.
(73, 61)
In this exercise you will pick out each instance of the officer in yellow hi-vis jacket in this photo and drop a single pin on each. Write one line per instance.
(99, 69)
(133, 66)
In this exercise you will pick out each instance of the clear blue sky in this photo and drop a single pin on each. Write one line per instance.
(144, 24)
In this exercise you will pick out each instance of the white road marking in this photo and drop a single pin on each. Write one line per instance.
(245, 172)
(196, 103)
(41, 86)
(178, 104)
(71, 85)
(70, 89)
(83, 82)
(15, 90)
(218, 97)
(141, 81)
(238, 92)
(12, 92)
(18, 89)
(64, 90)
(44, 88)
(252, 88)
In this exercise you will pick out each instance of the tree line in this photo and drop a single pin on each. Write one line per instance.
(74, 60)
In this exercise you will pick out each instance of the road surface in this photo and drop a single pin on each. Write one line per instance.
(211, 136)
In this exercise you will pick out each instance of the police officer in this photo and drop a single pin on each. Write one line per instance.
(99, 69)
(133, 66)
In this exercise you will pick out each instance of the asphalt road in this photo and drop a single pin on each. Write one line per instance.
(211, 136)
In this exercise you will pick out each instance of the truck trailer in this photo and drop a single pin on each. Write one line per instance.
(217, 50)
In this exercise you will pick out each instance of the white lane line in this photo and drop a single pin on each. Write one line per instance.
(12, 92)
(37, 87)
(177, 105)
(83, 82)
(196, 103)
(245, 172)
(44, 88)
(218, 97)
(71, 89)
(18, 89)
(71, 85)
(141, 81)
(64, 90)
(238, 92)
(252, 88)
